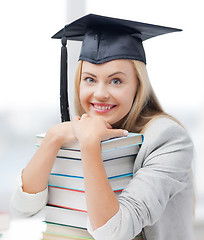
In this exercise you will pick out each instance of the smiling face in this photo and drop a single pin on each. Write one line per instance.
(108, 89)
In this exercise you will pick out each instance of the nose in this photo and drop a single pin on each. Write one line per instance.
(101, 92)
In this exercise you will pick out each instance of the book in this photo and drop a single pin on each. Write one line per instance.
(69, 198)
(114, 167)
(113, 143)
(112, 148)
(59, 236)
(77, 182)
(66, 216)
(64, 231)
(106, 155)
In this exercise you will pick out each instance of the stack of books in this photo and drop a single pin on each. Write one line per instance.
(66, 212)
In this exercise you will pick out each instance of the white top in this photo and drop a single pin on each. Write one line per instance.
(26, 204)
(158, 200)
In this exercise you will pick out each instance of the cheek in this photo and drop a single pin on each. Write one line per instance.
(83, 97)
(127, 97)
(127, 103)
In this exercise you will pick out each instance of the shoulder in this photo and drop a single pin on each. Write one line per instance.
(166, 135)
(164, 129)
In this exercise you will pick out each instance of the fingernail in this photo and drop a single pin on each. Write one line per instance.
(125, 132)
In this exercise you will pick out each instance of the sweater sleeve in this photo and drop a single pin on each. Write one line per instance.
(26, 204)
(162, 170)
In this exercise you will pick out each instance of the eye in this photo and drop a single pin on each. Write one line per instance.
(115, 81)
(89, 80)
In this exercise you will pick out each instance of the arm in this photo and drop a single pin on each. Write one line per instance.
(31, 192)
(161, 190)
(40, 165)
(102, 204)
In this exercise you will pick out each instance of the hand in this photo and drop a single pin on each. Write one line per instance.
(94, 129)
(62, 133)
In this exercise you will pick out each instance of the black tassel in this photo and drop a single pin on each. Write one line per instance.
(64, 104)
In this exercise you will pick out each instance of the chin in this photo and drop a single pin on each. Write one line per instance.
(108, 119)
(114, 123)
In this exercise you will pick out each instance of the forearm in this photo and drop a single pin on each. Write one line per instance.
(102, 204)
(36, 173)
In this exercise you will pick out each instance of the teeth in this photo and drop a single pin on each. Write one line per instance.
(102, 107)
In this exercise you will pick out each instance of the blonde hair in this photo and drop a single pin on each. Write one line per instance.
(145, 107)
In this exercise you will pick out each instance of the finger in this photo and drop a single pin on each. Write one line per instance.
(118, 133)
(84, 116)
(76, 118)
(108, 125)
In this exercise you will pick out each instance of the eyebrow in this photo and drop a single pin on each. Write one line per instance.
(89, 74)
(116, 73)
(108, 76)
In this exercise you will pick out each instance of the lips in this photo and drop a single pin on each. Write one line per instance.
(102, 108)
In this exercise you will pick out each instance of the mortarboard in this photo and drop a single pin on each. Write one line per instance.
(104, 39)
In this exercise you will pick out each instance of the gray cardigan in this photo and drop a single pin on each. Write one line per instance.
(159, 199)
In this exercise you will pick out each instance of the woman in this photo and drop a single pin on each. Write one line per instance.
(113, 96)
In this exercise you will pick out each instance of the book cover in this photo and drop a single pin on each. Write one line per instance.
(69, 198)
(73, 167)
(55, 228)
(66, 216)
(59, 236)
(110, 144)
(131, 150)
(77, 182)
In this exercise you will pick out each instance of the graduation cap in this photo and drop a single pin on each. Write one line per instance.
(104, 39)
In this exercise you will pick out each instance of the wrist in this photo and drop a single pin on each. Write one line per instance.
(61, 134)
(93, 145)
(56, 138)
